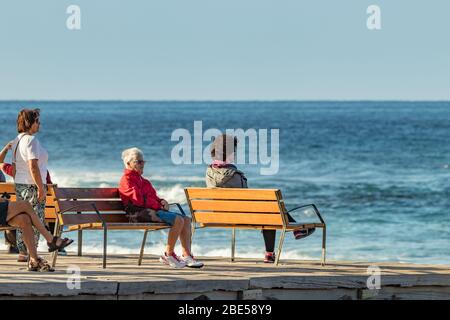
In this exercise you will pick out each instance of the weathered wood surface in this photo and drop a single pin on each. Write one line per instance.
(220, 279)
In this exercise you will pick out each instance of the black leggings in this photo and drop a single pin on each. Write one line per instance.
(269, 236)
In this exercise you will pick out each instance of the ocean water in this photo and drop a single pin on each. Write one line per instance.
(378, 171)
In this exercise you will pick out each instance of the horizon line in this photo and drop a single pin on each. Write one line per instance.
(222, 100)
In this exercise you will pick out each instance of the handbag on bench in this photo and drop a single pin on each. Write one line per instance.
(138, 214)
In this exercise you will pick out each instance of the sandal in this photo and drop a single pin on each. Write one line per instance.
(64, 243)
(44, 266)
(33, 265)
(40, 265)
(22, 258)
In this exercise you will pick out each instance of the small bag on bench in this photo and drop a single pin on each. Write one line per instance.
(136, 214)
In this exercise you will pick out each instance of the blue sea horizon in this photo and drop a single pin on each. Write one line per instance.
(377, 170)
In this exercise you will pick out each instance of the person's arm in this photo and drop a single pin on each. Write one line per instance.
(130, 193)
(31, 156)
(4, 151)
(164, 204)
(7, 168)
(33, 166)
(152, 199)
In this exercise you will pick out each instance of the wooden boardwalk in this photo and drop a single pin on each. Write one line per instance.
(220, 279)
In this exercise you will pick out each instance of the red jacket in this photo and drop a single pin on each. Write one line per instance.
(138, 190)
(7, 168)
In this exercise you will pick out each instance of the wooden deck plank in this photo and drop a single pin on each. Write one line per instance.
(221, 279)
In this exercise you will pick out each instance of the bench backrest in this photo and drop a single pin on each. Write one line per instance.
(76, 203)
(50, 210)
(232, 206)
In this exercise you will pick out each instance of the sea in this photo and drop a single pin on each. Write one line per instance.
(377, 170)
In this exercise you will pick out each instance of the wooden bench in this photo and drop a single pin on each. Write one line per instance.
(81, 209)
(50, 210)
(247, 209)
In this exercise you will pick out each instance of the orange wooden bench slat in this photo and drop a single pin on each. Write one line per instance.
(239, 218)
(87, 193)
(117, 226)
(49, 200)
(7, 187)
(11, 189)
(232, 194)
(50, 211)
(236, 206)
(241, 226)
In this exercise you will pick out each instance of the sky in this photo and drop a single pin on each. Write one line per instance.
(224, 50)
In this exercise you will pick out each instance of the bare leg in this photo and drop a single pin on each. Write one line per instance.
(23, 222)
(185, 237)
(174, 234)
(24, 207)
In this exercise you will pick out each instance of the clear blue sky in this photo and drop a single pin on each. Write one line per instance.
(225, 50)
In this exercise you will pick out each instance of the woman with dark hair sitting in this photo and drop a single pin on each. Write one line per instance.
(10, 235)
(20, 214)
(222, 173)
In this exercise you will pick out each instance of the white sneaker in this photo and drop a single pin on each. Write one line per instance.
(191, 262)
(172, 260)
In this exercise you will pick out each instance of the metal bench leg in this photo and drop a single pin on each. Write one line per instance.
(142, 247)
(105, 238)
(280, 246)
(233, 243)
(56, 232)
(192, 231)
(80, 242)
(324, 243)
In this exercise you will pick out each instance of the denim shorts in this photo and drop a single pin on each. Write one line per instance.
(169, 216)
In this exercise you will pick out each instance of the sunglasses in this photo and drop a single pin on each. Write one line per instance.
(139, 161)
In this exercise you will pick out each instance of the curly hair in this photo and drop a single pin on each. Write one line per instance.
(26, 119)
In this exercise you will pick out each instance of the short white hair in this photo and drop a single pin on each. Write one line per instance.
(131, 154)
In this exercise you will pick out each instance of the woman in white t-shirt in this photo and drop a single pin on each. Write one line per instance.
(30, 159)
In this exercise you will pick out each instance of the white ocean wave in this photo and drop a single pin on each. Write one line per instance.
(220, 251)
(173, 194)
(110, 179)
(77, 178)
(158, 249)
(177, 178)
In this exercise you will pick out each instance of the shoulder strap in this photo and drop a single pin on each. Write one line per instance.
(15, 150)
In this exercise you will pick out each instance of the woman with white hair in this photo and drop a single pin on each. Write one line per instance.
(142, 204)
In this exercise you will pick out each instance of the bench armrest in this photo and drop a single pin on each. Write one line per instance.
(316, 211)
(99, 215)
(179, 207)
